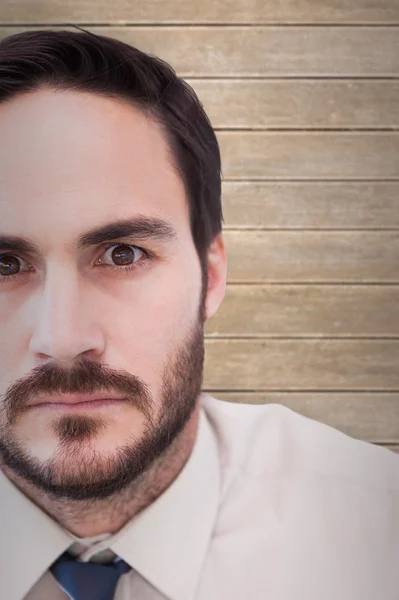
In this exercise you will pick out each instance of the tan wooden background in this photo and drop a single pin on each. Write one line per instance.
(304, 96)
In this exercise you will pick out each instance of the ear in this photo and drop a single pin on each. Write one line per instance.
(217, 276)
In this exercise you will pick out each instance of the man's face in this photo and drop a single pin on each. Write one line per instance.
(120, 318)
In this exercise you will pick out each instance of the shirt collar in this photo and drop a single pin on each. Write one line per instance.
(166, 542)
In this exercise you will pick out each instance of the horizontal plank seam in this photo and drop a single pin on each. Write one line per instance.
(279, 390)
(348, 283)
(322, 336)
(293, 77)
(275, 78)
(307, 282)
(317, 77)
(316, 179)
(309, 180)
(122, 23)
(392, 133)
(296, 76)
(290, 391)
(265, 285)
(393, 443)
(304, 130)
(260, 336)
(300, 390)
(311, 229)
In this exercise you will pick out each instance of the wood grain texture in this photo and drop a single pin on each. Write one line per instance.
(208, 11)
(312, 256)
(311, 204)
(315, 155)
(307, 310)
(300, 365)
(300, 104)
(372, 417)
(265, 51)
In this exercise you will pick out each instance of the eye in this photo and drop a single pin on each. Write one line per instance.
(121, 255)
(11, 265)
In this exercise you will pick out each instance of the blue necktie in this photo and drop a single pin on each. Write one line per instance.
(88, 580)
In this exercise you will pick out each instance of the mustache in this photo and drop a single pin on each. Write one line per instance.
(85, 377)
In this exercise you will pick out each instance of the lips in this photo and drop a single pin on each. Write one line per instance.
(75, 399)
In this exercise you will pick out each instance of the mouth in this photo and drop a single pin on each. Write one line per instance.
(73, 403)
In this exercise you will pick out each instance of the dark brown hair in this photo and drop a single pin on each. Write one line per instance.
(85, 62)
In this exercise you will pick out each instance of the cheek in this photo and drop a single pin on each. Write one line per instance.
(14, 341)
(146, 330)
(157, 322)
(11, 364)
(158, 307)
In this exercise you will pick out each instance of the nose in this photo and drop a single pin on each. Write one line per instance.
(64, 324)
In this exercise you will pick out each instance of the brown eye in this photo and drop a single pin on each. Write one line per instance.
(122, 255)
(9, 265)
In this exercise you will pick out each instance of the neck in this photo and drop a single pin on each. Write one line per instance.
(110, 515)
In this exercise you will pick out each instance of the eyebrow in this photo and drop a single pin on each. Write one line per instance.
(140, 228)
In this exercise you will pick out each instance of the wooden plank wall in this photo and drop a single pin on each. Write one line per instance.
(304, 96)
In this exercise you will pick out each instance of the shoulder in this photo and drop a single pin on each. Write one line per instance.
(302, 498)
(271, 439)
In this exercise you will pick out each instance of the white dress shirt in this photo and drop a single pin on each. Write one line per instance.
(270, 505)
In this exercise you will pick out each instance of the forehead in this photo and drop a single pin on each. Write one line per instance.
(73, 160)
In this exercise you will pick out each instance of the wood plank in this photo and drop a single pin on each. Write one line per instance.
(300, 365)
(208, 11)
(312, 256)
(244, 51)
(392, 447)
(315, 155)
(307, 310)
(300, 104)
(311, 204)
(367, 416)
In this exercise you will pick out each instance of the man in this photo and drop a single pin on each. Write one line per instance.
(119, 477)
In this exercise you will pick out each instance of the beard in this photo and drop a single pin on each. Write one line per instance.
(73, 472)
